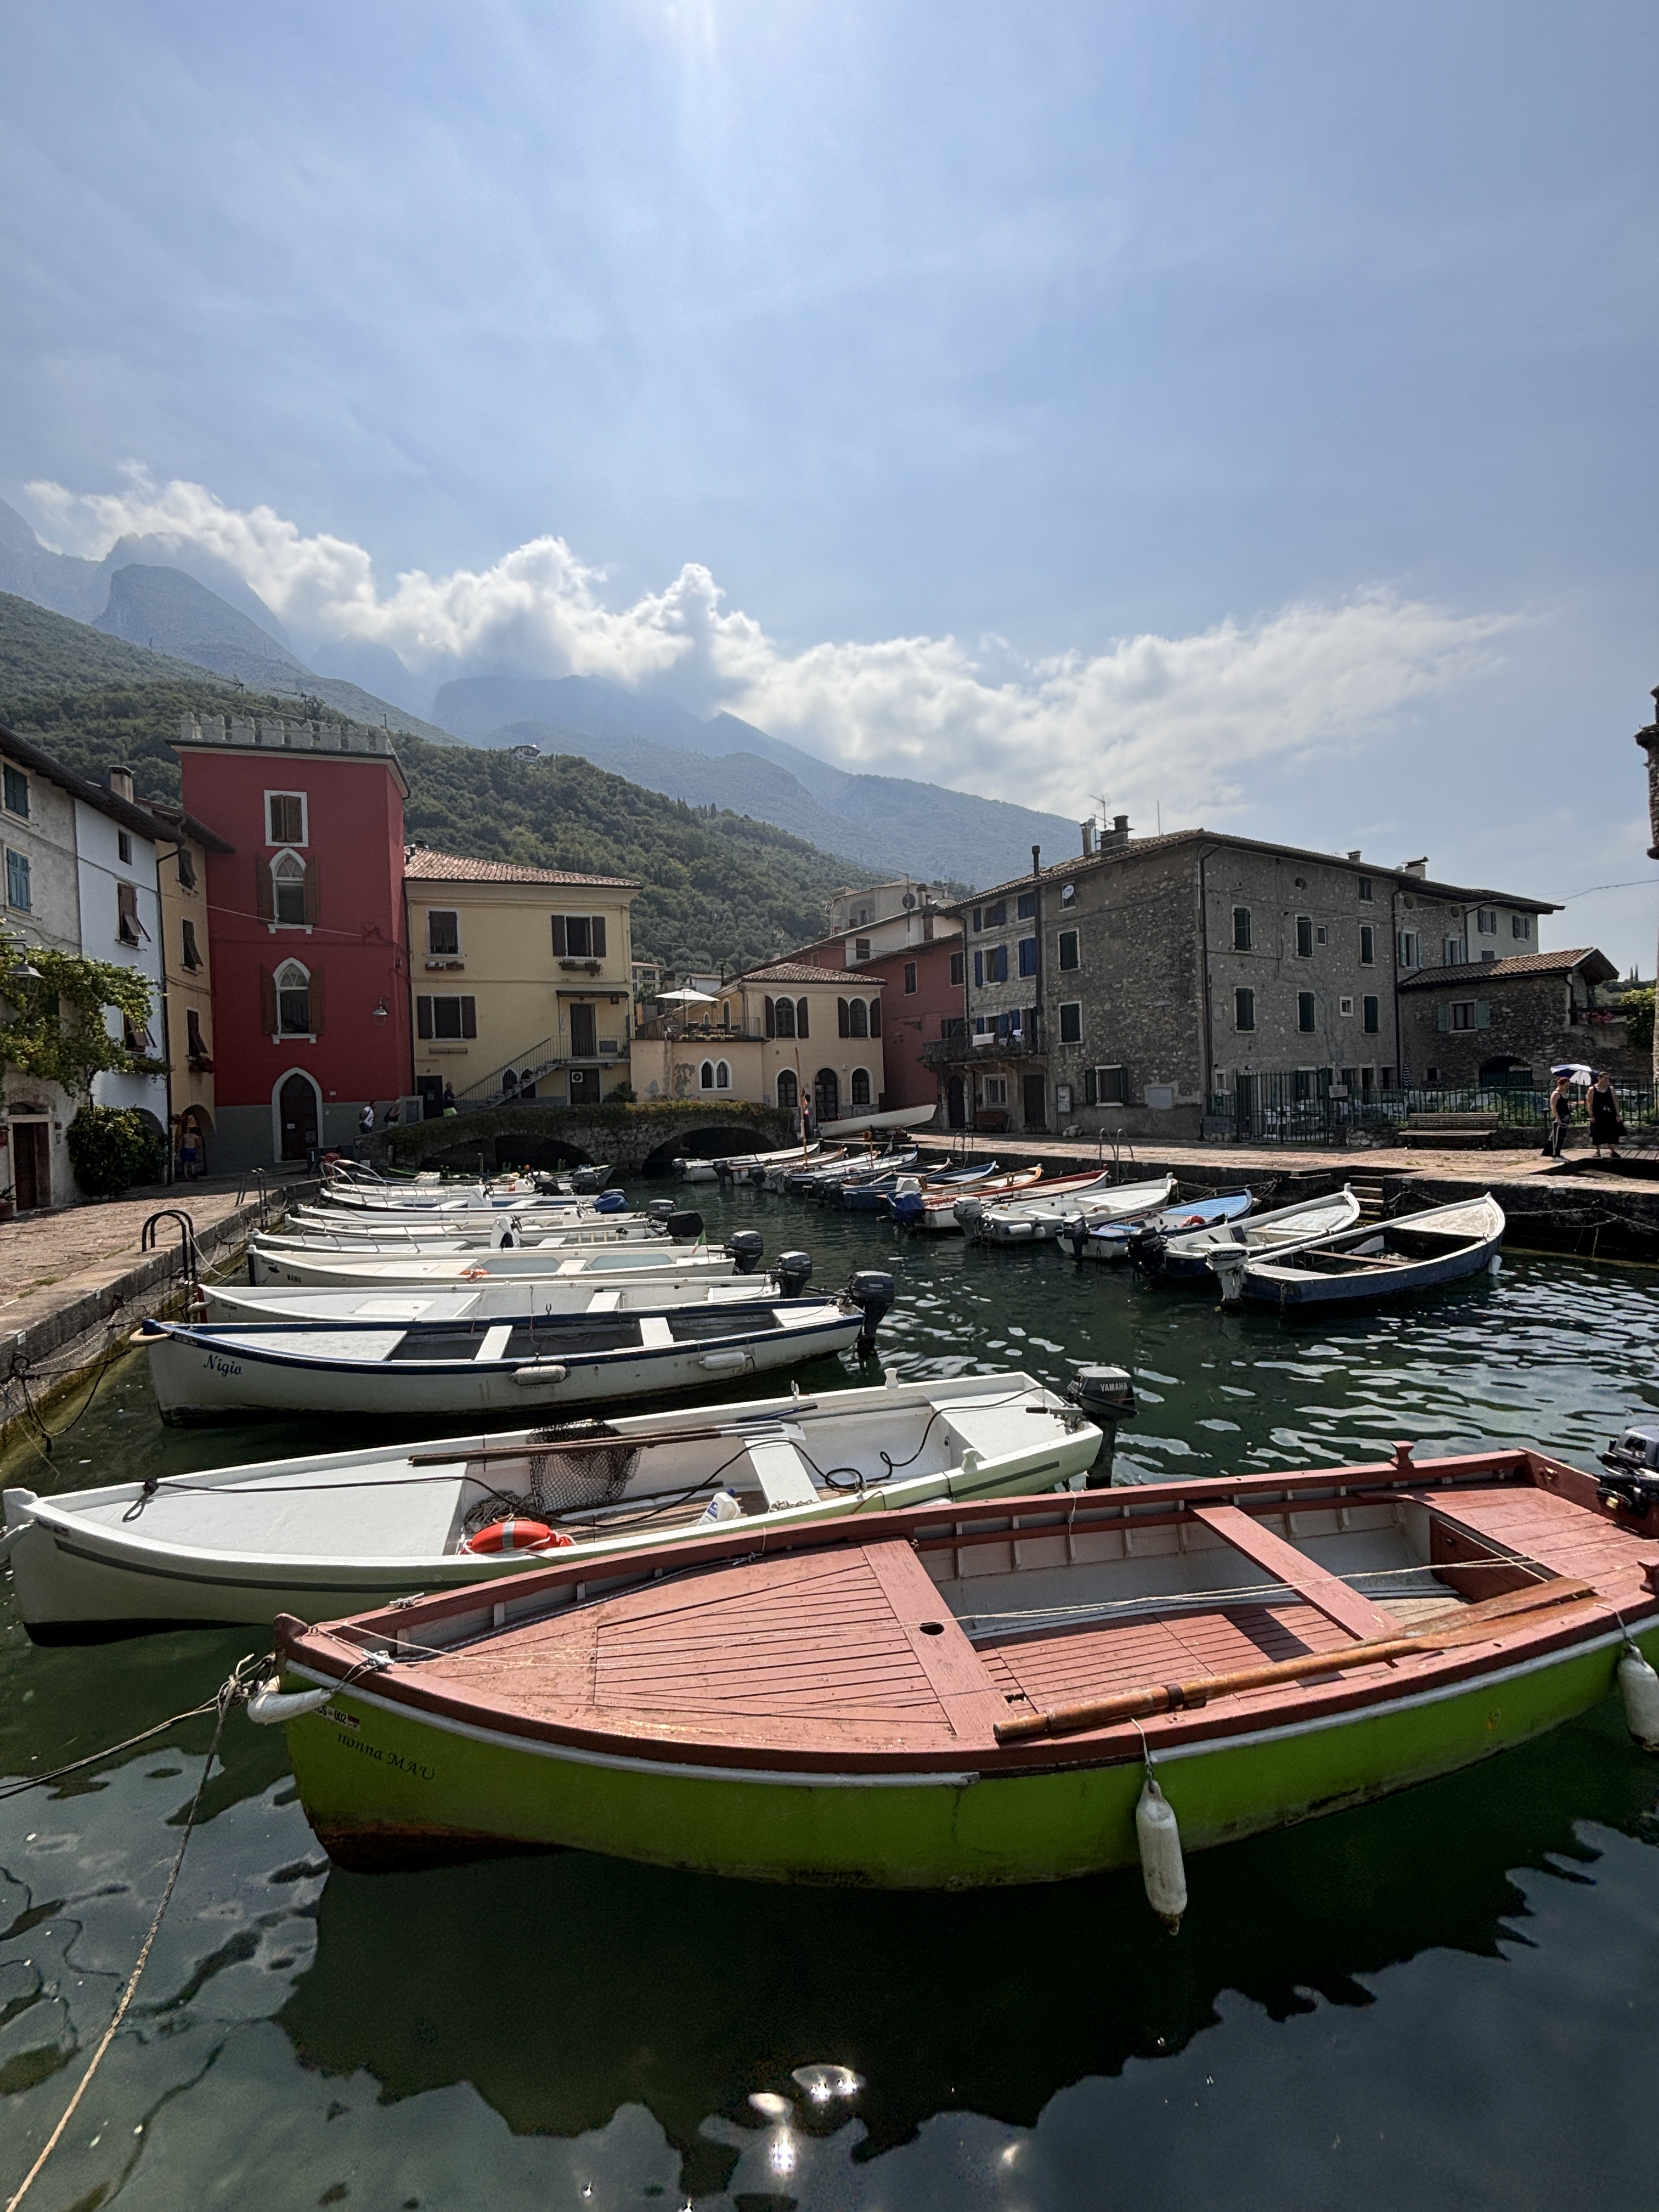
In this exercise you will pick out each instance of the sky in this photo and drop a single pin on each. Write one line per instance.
(1233, 413)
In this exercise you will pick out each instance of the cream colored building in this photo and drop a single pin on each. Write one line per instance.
(777, 1035)
(521, 980)
(186, 971)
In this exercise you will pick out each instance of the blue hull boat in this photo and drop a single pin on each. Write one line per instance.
(1110, 1240)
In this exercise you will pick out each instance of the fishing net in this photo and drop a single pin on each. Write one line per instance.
(566, 1470)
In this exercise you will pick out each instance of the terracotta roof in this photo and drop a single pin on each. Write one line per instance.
(796, 971)
(134, 813)
(1517, 966)
(1077, 862)
(422, 864)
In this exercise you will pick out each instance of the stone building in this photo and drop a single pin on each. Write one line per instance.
(1509, 1022)
(782, 1034)
(1150, 983)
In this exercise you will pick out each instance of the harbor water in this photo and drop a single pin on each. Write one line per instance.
(1448, 1999)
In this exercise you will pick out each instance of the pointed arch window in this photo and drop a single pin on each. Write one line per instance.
(706, 1076)
(293, 1000)
(293, 890)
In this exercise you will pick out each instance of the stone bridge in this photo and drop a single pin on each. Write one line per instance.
(638, 1139)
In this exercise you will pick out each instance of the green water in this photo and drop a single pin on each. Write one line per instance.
(1450, 1999)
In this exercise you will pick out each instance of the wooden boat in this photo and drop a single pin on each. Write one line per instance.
(1187, 1259)
(340, 1531)
(502, 1298)
(1096, 1179)
(896, 1117)
(448, 1221)
(969, 1695)
(696, 1170)
(1039, 1217)
(1110, 1240)
(870, 1193)
(739, 1167)
(340, 1271)
(478, 1197)
(507, 1233)
(1384, 1260)
(414, 1370)
(938, 1211)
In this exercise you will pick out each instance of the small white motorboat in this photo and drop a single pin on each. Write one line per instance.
(501, 1297)
(341, 1531)
(336, 1270)
(970, 1208)
(1188, 1259)
(1023, 1219)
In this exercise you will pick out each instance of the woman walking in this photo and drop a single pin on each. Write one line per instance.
(1603, 1115)
(1560, 1111)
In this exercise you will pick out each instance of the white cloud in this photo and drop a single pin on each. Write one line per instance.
(1180, 719)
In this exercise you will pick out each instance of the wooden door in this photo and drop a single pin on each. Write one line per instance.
(1036, 1112)
(297, 1109)
(31, 1164)
(582, 1046)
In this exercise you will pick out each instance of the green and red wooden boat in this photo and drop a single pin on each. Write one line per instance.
(966, 1695)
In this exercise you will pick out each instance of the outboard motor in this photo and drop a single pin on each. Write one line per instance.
(758, 1176)
(1147, 1250)
(792, 1272)
(506, 1233)
(683, 1228)
(1631, 1479)
(745, 1248)
(659, 1210)
(1107, 1396)
(872, 1291)
(585, 1180)
(1078, 1230)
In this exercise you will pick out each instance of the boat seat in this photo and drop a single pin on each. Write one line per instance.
(604, 1302)
(991, 1427)
(1325, 1592)
(495, 1341)
(782, 1473)
(654, 1333)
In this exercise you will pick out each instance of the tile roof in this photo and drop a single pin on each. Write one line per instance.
(1516, 968)
(422, 864)
(796, 971)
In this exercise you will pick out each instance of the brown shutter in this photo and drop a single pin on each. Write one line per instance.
(875, 1018)
(264, 900)
(316, 1004)
(599, 937)
(267, 1002)
(313, 892)
(843, 1019)
(558, 937)
(801, 1018)
(468, 1018)
(771, 1018)
(423, 1017)
(186, 870)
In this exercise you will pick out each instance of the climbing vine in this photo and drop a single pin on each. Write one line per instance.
(52, 1019)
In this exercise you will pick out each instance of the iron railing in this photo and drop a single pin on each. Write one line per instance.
(1297, 1108)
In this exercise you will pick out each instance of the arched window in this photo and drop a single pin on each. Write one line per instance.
(722, 1076)
(860, 1086)
(288, 888)
(858, 1019)
(788, 1091)
(875, 1017)
(294, 997)
(801, 1018)
(785, 1017)
(706, 1076)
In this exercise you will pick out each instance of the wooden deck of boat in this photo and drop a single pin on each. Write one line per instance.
(1556, 1533)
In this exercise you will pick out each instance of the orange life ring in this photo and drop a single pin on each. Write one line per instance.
(518, 1535)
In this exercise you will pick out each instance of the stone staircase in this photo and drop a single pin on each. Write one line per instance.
(1367, 1185)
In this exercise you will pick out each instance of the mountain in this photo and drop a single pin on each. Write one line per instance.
(718, 888)
(892, 823)
(163, 606)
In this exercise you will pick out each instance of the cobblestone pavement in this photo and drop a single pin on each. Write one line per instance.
(1510, 1164)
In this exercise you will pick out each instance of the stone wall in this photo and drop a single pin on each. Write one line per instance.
(1524, 1019)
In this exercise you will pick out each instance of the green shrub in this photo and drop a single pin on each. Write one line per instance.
(113, 1147)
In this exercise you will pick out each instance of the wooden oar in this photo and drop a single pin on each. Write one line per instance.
(1469, 1624)
(754, 1431)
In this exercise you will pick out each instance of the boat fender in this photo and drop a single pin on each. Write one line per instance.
(1495, 1266)
(516, 1534)
(1638, 1686)
(722, 1506)
(1157, 1834)
(872, 1291)
(684, 1228)
(746, 1249)
(724, 1363)
(540, 1370)
(270, 1707)
(792, 1272)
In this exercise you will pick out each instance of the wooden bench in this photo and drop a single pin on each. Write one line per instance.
(1325, 1592)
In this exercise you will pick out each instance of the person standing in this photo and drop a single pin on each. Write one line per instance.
(1604, 1114)
(1560, 1111)
(365, 1130)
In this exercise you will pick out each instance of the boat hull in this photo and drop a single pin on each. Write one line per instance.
(385, 1787)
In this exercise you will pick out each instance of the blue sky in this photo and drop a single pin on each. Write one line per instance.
(1245, 412)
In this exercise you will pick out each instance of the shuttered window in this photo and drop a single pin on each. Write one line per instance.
(579, 936)
(446, 1016)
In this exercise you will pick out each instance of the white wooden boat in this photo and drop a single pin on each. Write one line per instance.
(897, 1117)
(334, 1533)
(696, 1170)
(1112, 1240)
(1024, 1219)
(471, 1198)
(753, 1167)
(415, 1370)
(935, 1214)
(1187, 1258)
(507, 1297)
(472, 1221)
(340, 1271)
(1364, 1266)
(970, 1207)
(822, 1156)
(507, 1230)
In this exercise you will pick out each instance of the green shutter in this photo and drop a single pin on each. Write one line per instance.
(1443, 1018)
(1483, 1013)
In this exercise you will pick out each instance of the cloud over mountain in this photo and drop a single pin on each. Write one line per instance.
(1180, 718)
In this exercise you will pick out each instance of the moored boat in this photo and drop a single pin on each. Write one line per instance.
(1038, 1216)
(1110, 1241)
(939, 1212)
(1187, 1258)
(334, 1269)
(1365, 1266)
(973, 1694)
(339, 1531)
(970, 1208)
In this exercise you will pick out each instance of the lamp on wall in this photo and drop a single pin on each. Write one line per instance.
(382, 1013)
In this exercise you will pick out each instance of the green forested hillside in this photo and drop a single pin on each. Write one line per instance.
(718, 887)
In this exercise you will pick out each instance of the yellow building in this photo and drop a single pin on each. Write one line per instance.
(771, 1037)
(521, 980)
(181, 847)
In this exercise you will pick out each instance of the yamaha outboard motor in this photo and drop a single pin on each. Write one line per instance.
(792, 1272)
(585, 1180)
(1147, 1250)
(745, 1248)
(659, 1210)
(683, 1228)
(1078, 1230)
(1632, 1481)
(872, 1291)
(1107, 1396)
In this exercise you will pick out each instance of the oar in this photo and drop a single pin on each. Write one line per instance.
(754, 1428)
(1467, 1624)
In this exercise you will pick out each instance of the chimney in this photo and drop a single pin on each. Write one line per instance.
(120, 782)
(1036, 859)
(1354, 855)
(1088, 830)
(1415, 867)
(1117, 835)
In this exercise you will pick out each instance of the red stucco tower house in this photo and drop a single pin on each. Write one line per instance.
(311, 997)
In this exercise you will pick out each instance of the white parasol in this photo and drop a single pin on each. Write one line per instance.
(685, 999)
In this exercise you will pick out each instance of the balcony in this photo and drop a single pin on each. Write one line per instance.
(984, 1051)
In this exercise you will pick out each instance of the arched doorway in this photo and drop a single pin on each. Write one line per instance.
(788, 1091)
(826, 1097)
(299, 1117)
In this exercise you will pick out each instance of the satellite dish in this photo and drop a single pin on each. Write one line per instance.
(1068, 892)
(909, 900)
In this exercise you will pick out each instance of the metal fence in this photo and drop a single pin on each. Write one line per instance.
(1303, 1107)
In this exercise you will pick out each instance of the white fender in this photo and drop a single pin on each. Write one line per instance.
(1638, 1686)
(1161, 1868)
(270, 1707)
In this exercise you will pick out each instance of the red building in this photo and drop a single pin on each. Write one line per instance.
(311, 999)
(923, 993)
